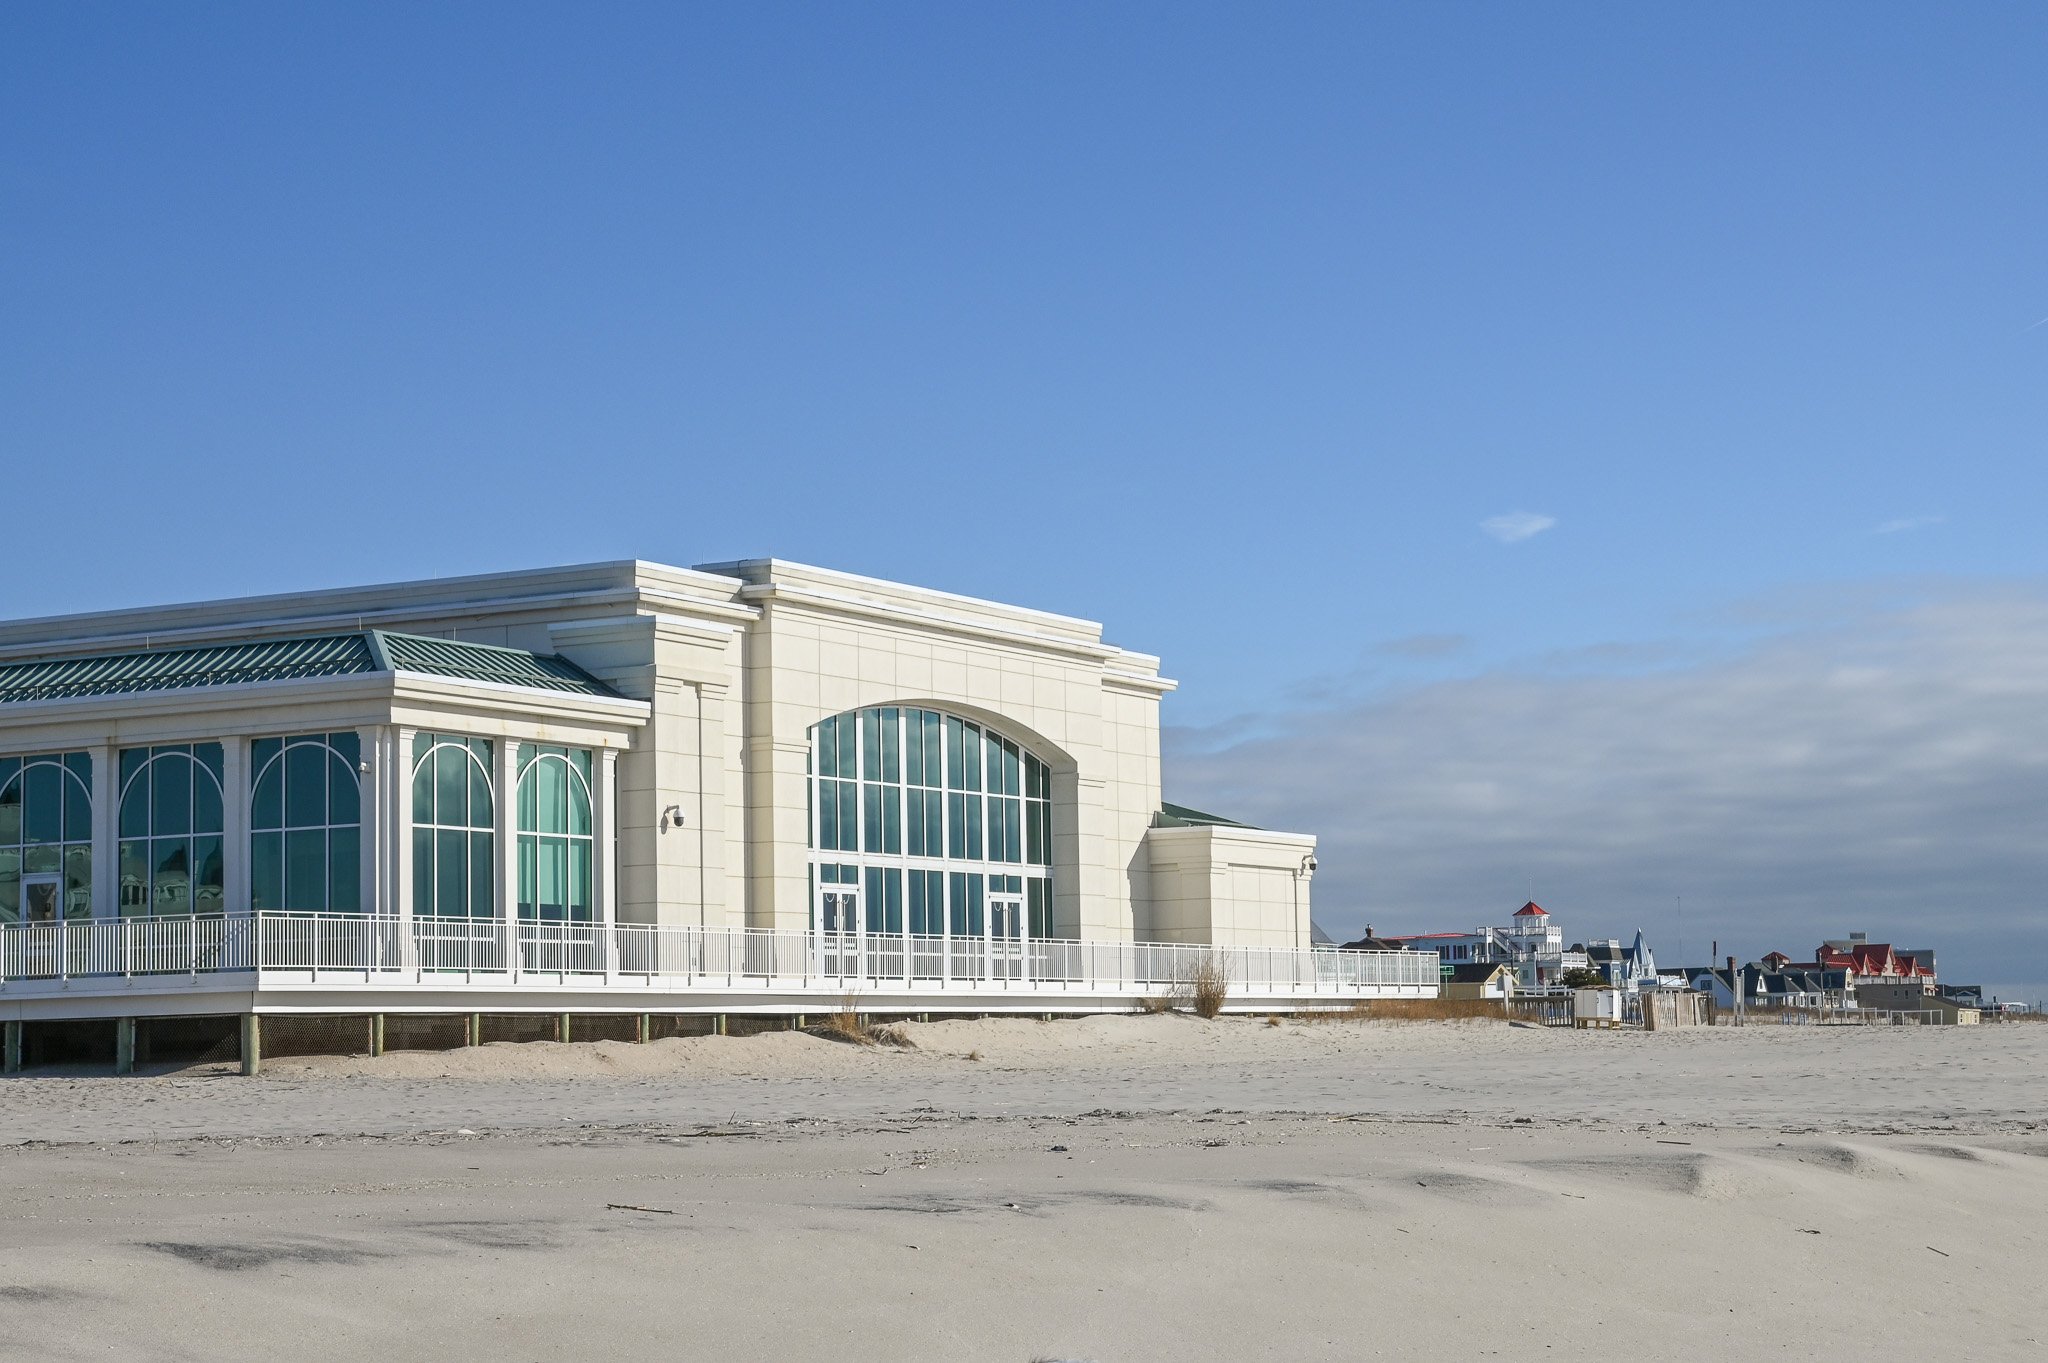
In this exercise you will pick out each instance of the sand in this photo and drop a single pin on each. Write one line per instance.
(1109, 1189)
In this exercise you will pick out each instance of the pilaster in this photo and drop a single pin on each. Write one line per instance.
(106, 850)
(236, 895)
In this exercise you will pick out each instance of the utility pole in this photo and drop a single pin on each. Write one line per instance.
(1735, 988)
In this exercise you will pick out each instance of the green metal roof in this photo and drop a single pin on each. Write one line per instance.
(331, 655)
(1180, 816)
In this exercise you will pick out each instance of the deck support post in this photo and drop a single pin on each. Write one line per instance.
(646, 1029)
(474, 1030)
(562, 1028)
(720, 1031)
(124, 1045)
(252, 1045)
(376, 1034)
(11, 1061)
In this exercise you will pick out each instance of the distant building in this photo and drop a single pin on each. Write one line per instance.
(1627, 968)
(1532, 944)
(1482, 981)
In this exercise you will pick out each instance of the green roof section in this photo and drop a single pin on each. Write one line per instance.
(1180, 816)
(329, 655)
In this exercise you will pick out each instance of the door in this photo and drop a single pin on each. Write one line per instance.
(42, 899)
(1006, 938)
(839, 940)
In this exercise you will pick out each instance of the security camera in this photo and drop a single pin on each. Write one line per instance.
(671, 817)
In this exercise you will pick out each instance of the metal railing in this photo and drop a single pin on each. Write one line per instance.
(344, 948)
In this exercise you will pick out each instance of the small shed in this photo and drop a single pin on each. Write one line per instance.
(1596, 1008)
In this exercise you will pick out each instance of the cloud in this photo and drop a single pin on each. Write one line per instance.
(1909, 523)
(1887, 774)
(1516, 526)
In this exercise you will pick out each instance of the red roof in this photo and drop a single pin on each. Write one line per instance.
(1530, 909)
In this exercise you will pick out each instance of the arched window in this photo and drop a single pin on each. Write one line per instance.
(554, 834)
(45, 838)
(454, 814)
(170, 830)
(305, 810)
(928, 824)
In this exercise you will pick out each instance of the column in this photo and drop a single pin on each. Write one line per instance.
(397, 776)
(234, 824)
(106, 848)
(370, 791)
(604, 824)
(505, 779)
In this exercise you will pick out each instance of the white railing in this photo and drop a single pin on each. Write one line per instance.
(452, 951)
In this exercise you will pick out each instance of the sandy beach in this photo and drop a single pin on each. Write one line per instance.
(1111, 1188)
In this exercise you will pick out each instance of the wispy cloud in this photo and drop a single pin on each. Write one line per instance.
(1424, 646)
(1906, 523)
(1516, 526)
(1885, 774)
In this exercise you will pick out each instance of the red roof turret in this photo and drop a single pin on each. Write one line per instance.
(1532, 910)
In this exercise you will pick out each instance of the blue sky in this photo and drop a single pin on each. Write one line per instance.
(1232, 327)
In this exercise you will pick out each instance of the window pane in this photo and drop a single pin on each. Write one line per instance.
(266, 804)
(208, 755)
(171, 873)
(266, 870)
(78, 882)
(209, 875)
(554, 795)
(889, 746)
(828, 815)
(42, 805)
(423, 877)
(77, 799)
(580, 759)
(526, 857)
(206, 815)
(170, 791)
(305, 788)
(451, 863)
(550, 877)
(579, 797)
(482, 879)
(344, 792)
(305, 870)
(134, 877)
(955, 773)
(451, 787)
(481, 812)
(423, 790)
(892, 820)
(828, 750)
(871, 744)
(871, 823)
(10, 885)
(579, 881)
(344, 871)
(10, 810)
(349, 745)
(849, 816)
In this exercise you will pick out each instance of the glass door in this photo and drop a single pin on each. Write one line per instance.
(42, 898)
(1006, 938)
(839, 940)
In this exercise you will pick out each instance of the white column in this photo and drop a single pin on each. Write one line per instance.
(106, 850)
(370, 792)
(604, 822)
(397, 783)
(505, 779)
(234, 824)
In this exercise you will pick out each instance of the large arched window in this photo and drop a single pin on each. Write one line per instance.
(305, 813)
(928, 824)
(170, 829)
(45, 838)
(453, 818)
(554, 834)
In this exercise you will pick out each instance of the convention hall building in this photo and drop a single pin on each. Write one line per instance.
(617, 791)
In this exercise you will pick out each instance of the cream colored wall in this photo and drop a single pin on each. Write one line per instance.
(828, 643)
(1229, 886)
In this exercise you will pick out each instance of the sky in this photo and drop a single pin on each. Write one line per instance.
(1582, 451)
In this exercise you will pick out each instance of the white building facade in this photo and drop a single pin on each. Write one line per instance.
(611, 769)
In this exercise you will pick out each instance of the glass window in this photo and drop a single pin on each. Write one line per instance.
(305, 812)
(454, 816)
(171, 854)
(554, 813)
(46, 836)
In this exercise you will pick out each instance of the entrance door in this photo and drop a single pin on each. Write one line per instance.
(839, 919)
(42, 899)
(1006, 938)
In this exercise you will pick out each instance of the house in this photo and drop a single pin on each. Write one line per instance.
(1874, 961)
(1531, 942)
(1627, 968)
(1494, 980)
